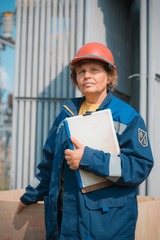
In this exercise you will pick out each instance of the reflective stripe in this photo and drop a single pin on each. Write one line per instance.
(115, 166)
(119, 127)
(35, 182)
(59, 126)
(113, 179)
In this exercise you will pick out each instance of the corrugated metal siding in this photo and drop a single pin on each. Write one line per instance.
(49, 32)
(154, 93)
(117, 19)
(45, 44)
(109, 22)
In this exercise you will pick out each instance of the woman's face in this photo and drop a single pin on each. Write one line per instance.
(92, 80)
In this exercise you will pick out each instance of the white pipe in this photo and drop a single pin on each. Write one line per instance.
(153, 106)
(60, 50)
(29, 43)
(79, 32)
(143, 58)
(143, 70)
(72, 39)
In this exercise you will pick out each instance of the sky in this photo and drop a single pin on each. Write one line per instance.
(7, 56)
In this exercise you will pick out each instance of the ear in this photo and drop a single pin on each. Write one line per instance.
(109, 80)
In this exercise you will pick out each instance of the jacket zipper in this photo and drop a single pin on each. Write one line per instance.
(68, 110)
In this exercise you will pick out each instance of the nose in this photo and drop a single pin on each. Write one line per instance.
(87, 74)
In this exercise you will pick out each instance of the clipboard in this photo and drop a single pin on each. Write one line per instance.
(95, 130)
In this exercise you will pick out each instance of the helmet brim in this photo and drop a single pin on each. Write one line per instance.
(93, 57)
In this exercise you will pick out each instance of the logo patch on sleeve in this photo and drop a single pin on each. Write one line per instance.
(142, 137)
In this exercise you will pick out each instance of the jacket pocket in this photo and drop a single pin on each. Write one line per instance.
(109, 218)
(101, 204)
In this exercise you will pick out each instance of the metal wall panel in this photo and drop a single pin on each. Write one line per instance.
(117, 21)
(45, 44)
(154, 93)
(109, 22)
(48, 33)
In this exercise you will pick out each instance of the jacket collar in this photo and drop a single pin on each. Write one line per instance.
(106, 101)
(72, 106)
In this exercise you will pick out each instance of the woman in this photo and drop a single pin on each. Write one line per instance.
(109, 213)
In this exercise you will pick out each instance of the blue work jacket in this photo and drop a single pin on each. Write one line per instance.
(109, 213)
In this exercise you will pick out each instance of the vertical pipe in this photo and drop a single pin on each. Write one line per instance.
(22, 93)
(39, 132)
(65, 51)
(20, 146)
(47, 70)
(35, 56)
(88, 17)
(53, 61)
(13, 183)
(26, 148)
(53, 48)
(33, 144)
(29, 44)
(28, 94)
(79, 31)
(153, 104)
(60, 50)
(143, 58)
(72, 39)
(151, 92)
(47, 48)
(151, 115)
(41, 49)
(143, 70)
(41, 83)
(23, 49)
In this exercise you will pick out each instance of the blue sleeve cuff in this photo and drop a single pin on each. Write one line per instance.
(95, 161)
(26, 202)
(86, 158)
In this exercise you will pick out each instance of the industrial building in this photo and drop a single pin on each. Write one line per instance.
(48, 34)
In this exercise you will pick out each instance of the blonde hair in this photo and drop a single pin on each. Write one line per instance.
(111, 73)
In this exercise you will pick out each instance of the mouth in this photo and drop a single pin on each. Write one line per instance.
(88, 84)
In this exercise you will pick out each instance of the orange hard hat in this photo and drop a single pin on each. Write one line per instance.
(96, 51)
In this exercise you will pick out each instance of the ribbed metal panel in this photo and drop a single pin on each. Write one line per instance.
(108, 22)
(45, 44)
(48, 33)
(117, 21)
(154, 93)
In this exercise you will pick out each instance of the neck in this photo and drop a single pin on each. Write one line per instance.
(95, 99)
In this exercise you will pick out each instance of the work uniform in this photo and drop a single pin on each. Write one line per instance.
(109, 213)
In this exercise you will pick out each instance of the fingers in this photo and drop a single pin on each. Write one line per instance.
(20, 207)
(76, 143)
(68, 152)
(73, 157)
(73, 164)
(68, 157)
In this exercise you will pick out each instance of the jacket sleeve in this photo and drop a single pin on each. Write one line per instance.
(131, 166)
(39, 186)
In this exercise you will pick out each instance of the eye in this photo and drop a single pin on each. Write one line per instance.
(94, 70)
(80, 71)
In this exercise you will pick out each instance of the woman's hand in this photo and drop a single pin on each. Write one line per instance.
(74, 157)
(20, 207)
